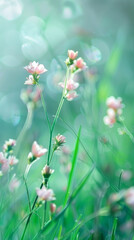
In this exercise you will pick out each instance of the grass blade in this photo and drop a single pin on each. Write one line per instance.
(73, 167)
(114, 229)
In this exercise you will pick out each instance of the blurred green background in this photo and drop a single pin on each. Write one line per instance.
(103, 33)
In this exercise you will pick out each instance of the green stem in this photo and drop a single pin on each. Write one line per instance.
(30, 215)
(56, 116)
(127, 131)
(27, 191)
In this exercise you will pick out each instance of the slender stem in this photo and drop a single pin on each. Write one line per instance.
(129, 134)
(127, 131)
(27, 191)
(30, 215)
(57, 115)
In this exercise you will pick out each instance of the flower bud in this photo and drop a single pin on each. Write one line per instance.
(59, 141)
(47, 171)
(72, 55)
(52, 207)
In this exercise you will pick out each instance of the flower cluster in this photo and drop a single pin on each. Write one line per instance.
(31, 97)
(59, 141)
(7, 160)
(35, 69)
(37, 152)
(74, 65)
(114, 110)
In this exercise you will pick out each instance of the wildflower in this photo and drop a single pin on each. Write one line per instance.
(5, 166)
(37, 151)
(47, 171)
(114, 103)
(30, 80)
(8, 146)
(80, 64)
(14, 184)
(71, 95)
(114, 110)
(71, 85)
(129, 197)
(72, 55)
(35, 68)
(52, 207)
(126, 175)
(2, 158)
(59, 141)
(45, 194)
(12, 160)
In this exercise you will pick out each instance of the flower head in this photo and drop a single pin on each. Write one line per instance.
(45, 194)
(35, 68)
(38, 150)
(52, 207)
(129, 197)
(12, 160)
(71, 85)
(114, 110)
(8, 146)
(71, 95)
(80, 64)
(59, 141)
(30, 80)
(47, 171)
(72, 55)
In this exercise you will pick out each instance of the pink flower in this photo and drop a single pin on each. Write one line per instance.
(2, 158)
(38, 150)
(71, 85)
(114, 103)
(52, 207)
(35, 68)
(9, 144)
(47, 171)
(129, 197)
(45, 194)
(60, 139)
(71, 95)
(12, 160)
(80, 64)
(72, 55)
(109, 121)
(14, 184)
(5, 166)
(30, 80)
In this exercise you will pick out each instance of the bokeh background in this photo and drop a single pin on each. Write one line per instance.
(103, 33)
